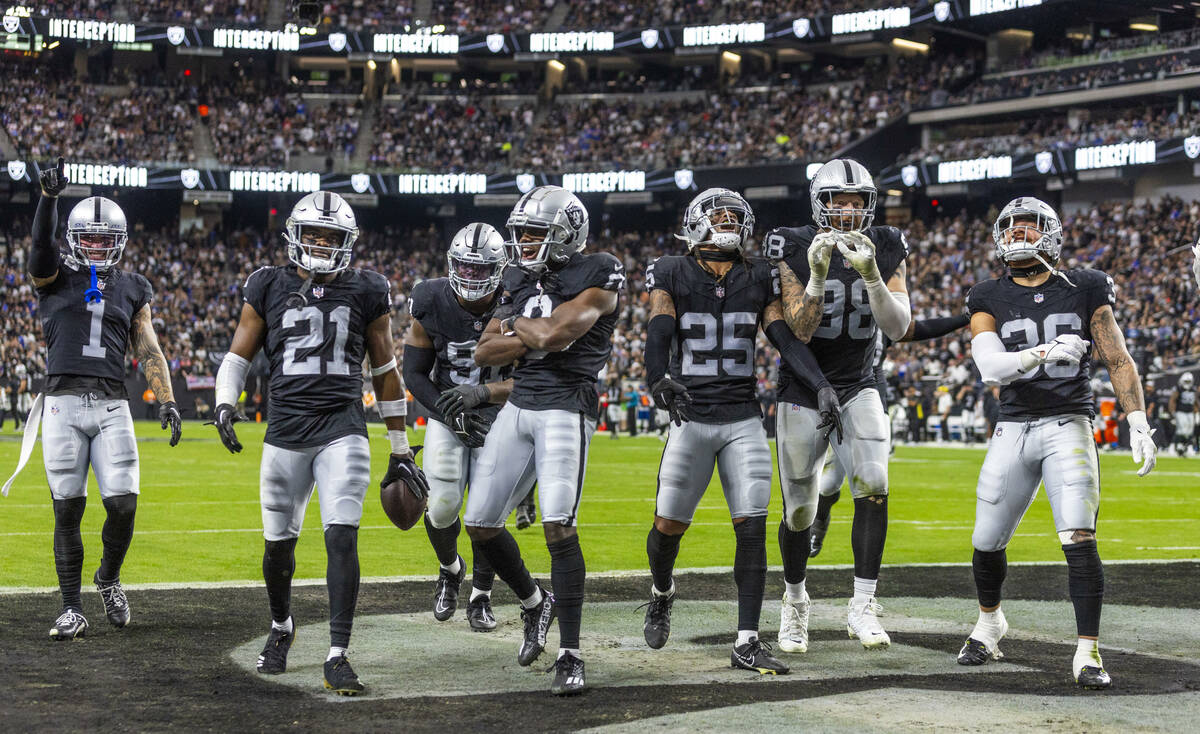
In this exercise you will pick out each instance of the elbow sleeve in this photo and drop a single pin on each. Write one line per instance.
(231, 376)
(796, 355)
(890, 310)
(659, 334)
(997, 365)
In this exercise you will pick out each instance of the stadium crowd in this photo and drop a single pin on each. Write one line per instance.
(203, 13)
(454, 134)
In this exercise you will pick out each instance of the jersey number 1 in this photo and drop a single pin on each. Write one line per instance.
(95, 346)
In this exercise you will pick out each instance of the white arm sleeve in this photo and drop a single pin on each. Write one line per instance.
(230, 379)
(997, 365)
(891, 311)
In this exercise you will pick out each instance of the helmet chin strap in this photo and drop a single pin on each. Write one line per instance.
(718, 256)
(1043, 267)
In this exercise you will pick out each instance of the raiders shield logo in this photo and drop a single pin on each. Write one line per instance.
(801, 27)
(684, 178)
(1044, 161)
(337, 42)
(575, 216)
(11, 23)
(189, 177)
(16, 170)
(941, 11)
(909, 175)
(318, 291)
(650, 37)
(524, 182)
(1191, 146)
(175, 34)
(495, 42)
(360, 182)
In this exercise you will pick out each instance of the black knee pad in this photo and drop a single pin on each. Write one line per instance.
(990, 568)
(751, 545)
(122, 505)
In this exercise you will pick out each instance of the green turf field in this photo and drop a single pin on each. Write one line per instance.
(198, 517)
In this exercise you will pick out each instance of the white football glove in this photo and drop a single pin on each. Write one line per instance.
(1068, 348)
(820, 252)
(1196, 263)
(1141, 440)
(859, 251)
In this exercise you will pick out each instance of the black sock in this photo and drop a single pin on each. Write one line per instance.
(990, 568)
(662, 550)
(68, 549)
(504, 556)
(567, 572)
(117, 534)
(825, 505)
(868, 535)
(482, 573)
(794, 545)
(444, 540)
(341, 579)
(1085, 579)
(750, 570)
(279, 563)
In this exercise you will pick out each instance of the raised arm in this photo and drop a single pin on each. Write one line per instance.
(149, 354)
(43, 260)
(567, 323)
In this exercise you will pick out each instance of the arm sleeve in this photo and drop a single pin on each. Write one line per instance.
(418, 363)
(43, 255)
(658, 347)
(997, 365)
(796, 355)
(934, 328)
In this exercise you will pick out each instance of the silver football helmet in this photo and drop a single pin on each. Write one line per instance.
(842, 176)
(321, 210)
(97, 233)
(1186, 381)
(718, 208)
(476, 261)
(1028, 228)
(559, 221)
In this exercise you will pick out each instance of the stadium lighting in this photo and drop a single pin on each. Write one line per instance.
(1152, 28)
(556, 65)
(911, 45)
(371, 64)
(731, 57)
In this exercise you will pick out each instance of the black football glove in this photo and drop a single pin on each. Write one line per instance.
(470, 429)
(224, 419)
(405, 467)
(458, 400)
(54, 180)
(168, 415)
(830, 409)
(672, 397)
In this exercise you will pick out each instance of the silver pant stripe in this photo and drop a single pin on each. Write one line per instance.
(78, 431)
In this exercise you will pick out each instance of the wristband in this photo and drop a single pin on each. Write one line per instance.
(399, 441)
(383, 369)
(393, 408)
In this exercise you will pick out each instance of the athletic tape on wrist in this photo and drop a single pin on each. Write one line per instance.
(399, 442)
(393, 408)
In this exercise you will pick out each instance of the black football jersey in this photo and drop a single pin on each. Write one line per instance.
(564, 380)
(1027, 316)
(455, 332)
(716, 322)
(1185, 400)
(87, 341)
(316, 352)
(845, 341)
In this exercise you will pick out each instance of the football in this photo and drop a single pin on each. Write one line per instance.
(403, 503)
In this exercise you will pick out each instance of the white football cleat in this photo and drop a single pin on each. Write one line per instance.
(862, 623)
(793, 625)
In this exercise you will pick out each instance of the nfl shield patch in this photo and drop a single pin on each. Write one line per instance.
(1039, 297)
(720, 291)
(478, 326)
(318, 291)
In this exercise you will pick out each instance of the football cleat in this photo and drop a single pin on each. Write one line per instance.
(341, 678)
(537, 624)
(479, 614)
(1092, 678)
(70, 625)
(793, 625)
(526, 514)
(984, 643)
(657, 627)
(568, 676)
(273, 658)
(445, 592)
(863, 623)
(116, 605)
(819, 529)
(756, 655)
(975, 652)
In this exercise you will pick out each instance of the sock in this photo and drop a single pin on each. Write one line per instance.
(444, 542)
(477, 592)
(1087, 652)
(279, 563)
(868, 534)
(668, 592)
(482, 575)
(335, 652)
(533, 599)
(825, 503)
(572, 650)
(341, 578)
(987, 628)
(284, 626)
(504, 555)
(1085, 579)
(750, 570)
(68, 549)
(567, 572)
(662, 550)
(453, 567)
(864, 588)
(795, 592)
(794, 545)
(117, 534)
(990, 568)
(746, 636)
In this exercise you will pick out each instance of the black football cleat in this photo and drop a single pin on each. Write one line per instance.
(1093, 678)
(975, 652)
(568, 676)
(70, 625)
(657, 628)
(445, 592)
(526, 514)
(273, 659)
(341, 678)
(756, 655)
(116, 605)
(537, 625)
(479, 614)
(819, 529)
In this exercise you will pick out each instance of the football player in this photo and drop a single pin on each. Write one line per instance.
(94, 315)
(316, 319)
(560, 311)
(449, 315)
(1031, 333)
(705, 311)
(1182, 407)
(837, 305)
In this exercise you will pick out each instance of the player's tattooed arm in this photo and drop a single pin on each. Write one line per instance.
(661, 304)
(801, 311)
(150, 356)
(1110, 346)
(566, 323)
(389, 385)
